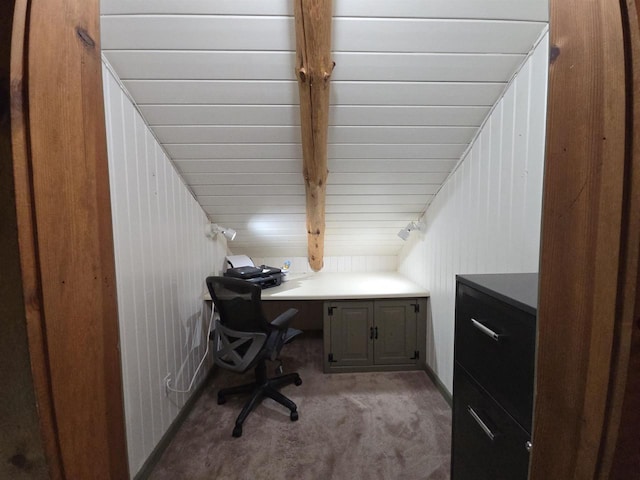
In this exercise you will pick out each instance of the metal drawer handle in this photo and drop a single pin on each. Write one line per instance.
(482, 425)
(484, 329)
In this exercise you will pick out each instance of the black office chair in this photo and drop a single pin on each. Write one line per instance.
(244, 338)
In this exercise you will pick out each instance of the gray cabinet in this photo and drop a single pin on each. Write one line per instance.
(374, 335)
(349, 328)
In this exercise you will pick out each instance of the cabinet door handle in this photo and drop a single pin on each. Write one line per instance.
(486, 330)
(371, 333)
(376, 337)
(480, 423)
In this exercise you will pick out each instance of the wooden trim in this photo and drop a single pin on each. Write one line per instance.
(27, 241)
(621, 442)
(66, 237)
(587, 267)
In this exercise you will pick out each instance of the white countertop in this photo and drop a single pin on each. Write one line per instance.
(340, 286)
(336, 286)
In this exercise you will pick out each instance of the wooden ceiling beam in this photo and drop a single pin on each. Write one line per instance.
(313, 71)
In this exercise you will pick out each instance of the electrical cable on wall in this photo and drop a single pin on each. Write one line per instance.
(204, 357)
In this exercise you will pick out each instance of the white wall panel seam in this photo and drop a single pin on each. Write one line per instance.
(175, 294)
(163, 212)
(130, 162)
(156, 234)
(140, 180)
(526, 185)
(152, 242)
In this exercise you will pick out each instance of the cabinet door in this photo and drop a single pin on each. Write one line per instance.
(350, 334)
(395, 332)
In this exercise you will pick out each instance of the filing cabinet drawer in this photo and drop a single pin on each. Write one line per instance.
(487, 442)
(495, 343)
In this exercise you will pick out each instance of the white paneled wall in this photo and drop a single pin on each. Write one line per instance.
(413, 82)
(486, 218)
(361, 263)
(533, 10)
(162, 259)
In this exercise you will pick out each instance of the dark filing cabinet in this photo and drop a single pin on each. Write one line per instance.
(493, 376)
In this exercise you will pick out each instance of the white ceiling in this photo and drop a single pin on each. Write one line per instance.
(414, 79)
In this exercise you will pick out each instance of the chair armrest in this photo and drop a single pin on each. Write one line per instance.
(277, 336)
(283, 320)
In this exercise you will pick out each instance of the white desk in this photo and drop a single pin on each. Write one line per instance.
(342, 286)
(308, 293)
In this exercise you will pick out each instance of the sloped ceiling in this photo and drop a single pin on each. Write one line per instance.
(413, 82)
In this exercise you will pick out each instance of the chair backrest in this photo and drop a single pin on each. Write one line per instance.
(238, 303)
(242, 330)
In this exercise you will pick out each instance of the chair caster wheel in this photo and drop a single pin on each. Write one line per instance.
(297, 382)
(294, 416)
(237, 431)
(221, 400)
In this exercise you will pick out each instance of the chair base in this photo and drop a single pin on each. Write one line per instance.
(260, 388)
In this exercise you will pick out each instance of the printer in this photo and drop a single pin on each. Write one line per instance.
(241, 266)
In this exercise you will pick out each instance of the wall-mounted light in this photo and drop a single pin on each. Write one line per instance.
(212, 230)
(411, 226)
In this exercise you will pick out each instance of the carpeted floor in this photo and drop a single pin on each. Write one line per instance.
(392, 425)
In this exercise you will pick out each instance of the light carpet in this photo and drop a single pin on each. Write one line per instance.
(389, 425)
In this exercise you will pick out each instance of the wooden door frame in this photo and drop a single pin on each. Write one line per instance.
(590, 243)
(589, 250)
(65, 236)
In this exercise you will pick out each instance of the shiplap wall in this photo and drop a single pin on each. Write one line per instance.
(162, 259)
(360, 263)
(486, 217)
(414, 80)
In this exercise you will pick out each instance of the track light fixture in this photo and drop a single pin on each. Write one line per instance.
(212, 230)
(411, 226)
